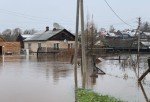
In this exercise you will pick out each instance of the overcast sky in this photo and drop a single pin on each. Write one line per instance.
(27, 14)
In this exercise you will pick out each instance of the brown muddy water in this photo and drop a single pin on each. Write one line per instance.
(51, 79)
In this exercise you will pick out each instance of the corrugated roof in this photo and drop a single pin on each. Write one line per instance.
(44, 35)
(147, 33)
(146, 43)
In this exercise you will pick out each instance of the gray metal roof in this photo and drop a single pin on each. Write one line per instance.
(43, 35)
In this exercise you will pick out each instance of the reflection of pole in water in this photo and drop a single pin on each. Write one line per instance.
(145, 73)
(119, 58)
(143, 91)
(93, 80)
(138, 56)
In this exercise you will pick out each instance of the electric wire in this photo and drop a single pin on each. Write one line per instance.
(116, 14)
(26, 16)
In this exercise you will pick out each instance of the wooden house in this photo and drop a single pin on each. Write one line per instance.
(1, 45)
(50, 40)
(9, 47)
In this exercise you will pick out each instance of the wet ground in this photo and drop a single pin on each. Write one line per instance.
(51, 79)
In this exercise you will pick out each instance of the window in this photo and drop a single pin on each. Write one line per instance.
(29, 45)
(70, 45)
(56, 46)
(39, 45)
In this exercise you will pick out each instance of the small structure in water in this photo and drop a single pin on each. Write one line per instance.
(96, 70)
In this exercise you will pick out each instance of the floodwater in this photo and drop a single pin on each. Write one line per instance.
(51, 79)
(121, 78)
(26, 79)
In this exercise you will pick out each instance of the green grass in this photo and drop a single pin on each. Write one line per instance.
(90, 96)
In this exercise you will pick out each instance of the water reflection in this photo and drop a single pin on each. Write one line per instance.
(47, 77)
(122, 72)
(61, 66)
(144, 93)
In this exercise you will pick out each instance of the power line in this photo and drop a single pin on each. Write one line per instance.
(23, 15)
(116, 14)
(30, 17)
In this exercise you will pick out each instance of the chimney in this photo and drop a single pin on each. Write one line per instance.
(47, 28)
(54, 29)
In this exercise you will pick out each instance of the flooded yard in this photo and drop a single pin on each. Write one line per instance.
(30, 80)
(51, 79)
(121, 78)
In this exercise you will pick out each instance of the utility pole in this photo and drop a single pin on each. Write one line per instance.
(138, 31)
(76, 51)
(80, 9)
(84, 64)
(138, 38)
(76, 46)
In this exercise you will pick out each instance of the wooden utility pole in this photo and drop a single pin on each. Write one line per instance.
(138, 30)
(76, 51)
(138, 43)
(76, 46)
(80, 9)
(84, 64)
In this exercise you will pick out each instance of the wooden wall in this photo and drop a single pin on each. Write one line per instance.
(11, 47)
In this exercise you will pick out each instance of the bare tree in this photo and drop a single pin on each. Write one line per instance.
(15, 33)
(145, 27)
(7, 34)
(91, 33)
(29, 31)
(111, 29)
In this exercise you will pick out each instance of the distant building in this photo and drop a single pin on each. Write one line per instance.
(1, 45)
(49, 40)
(14, 38)
(9, 47)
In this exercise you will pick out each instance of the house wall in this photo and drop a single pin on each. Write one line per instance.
(33, 46)
(12, 47)
(48, 44)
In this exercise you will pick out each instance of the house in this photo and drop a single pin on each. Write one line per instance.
(9, 47)
(50, 40)
(1, 45)
(16, 37)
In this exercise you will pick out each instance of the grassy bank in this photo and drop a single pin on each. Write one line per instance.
(90, 96)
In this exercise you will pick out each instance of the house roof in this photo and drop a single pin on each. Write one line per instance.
(42, 36)
(146, 43)
(147, 33)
